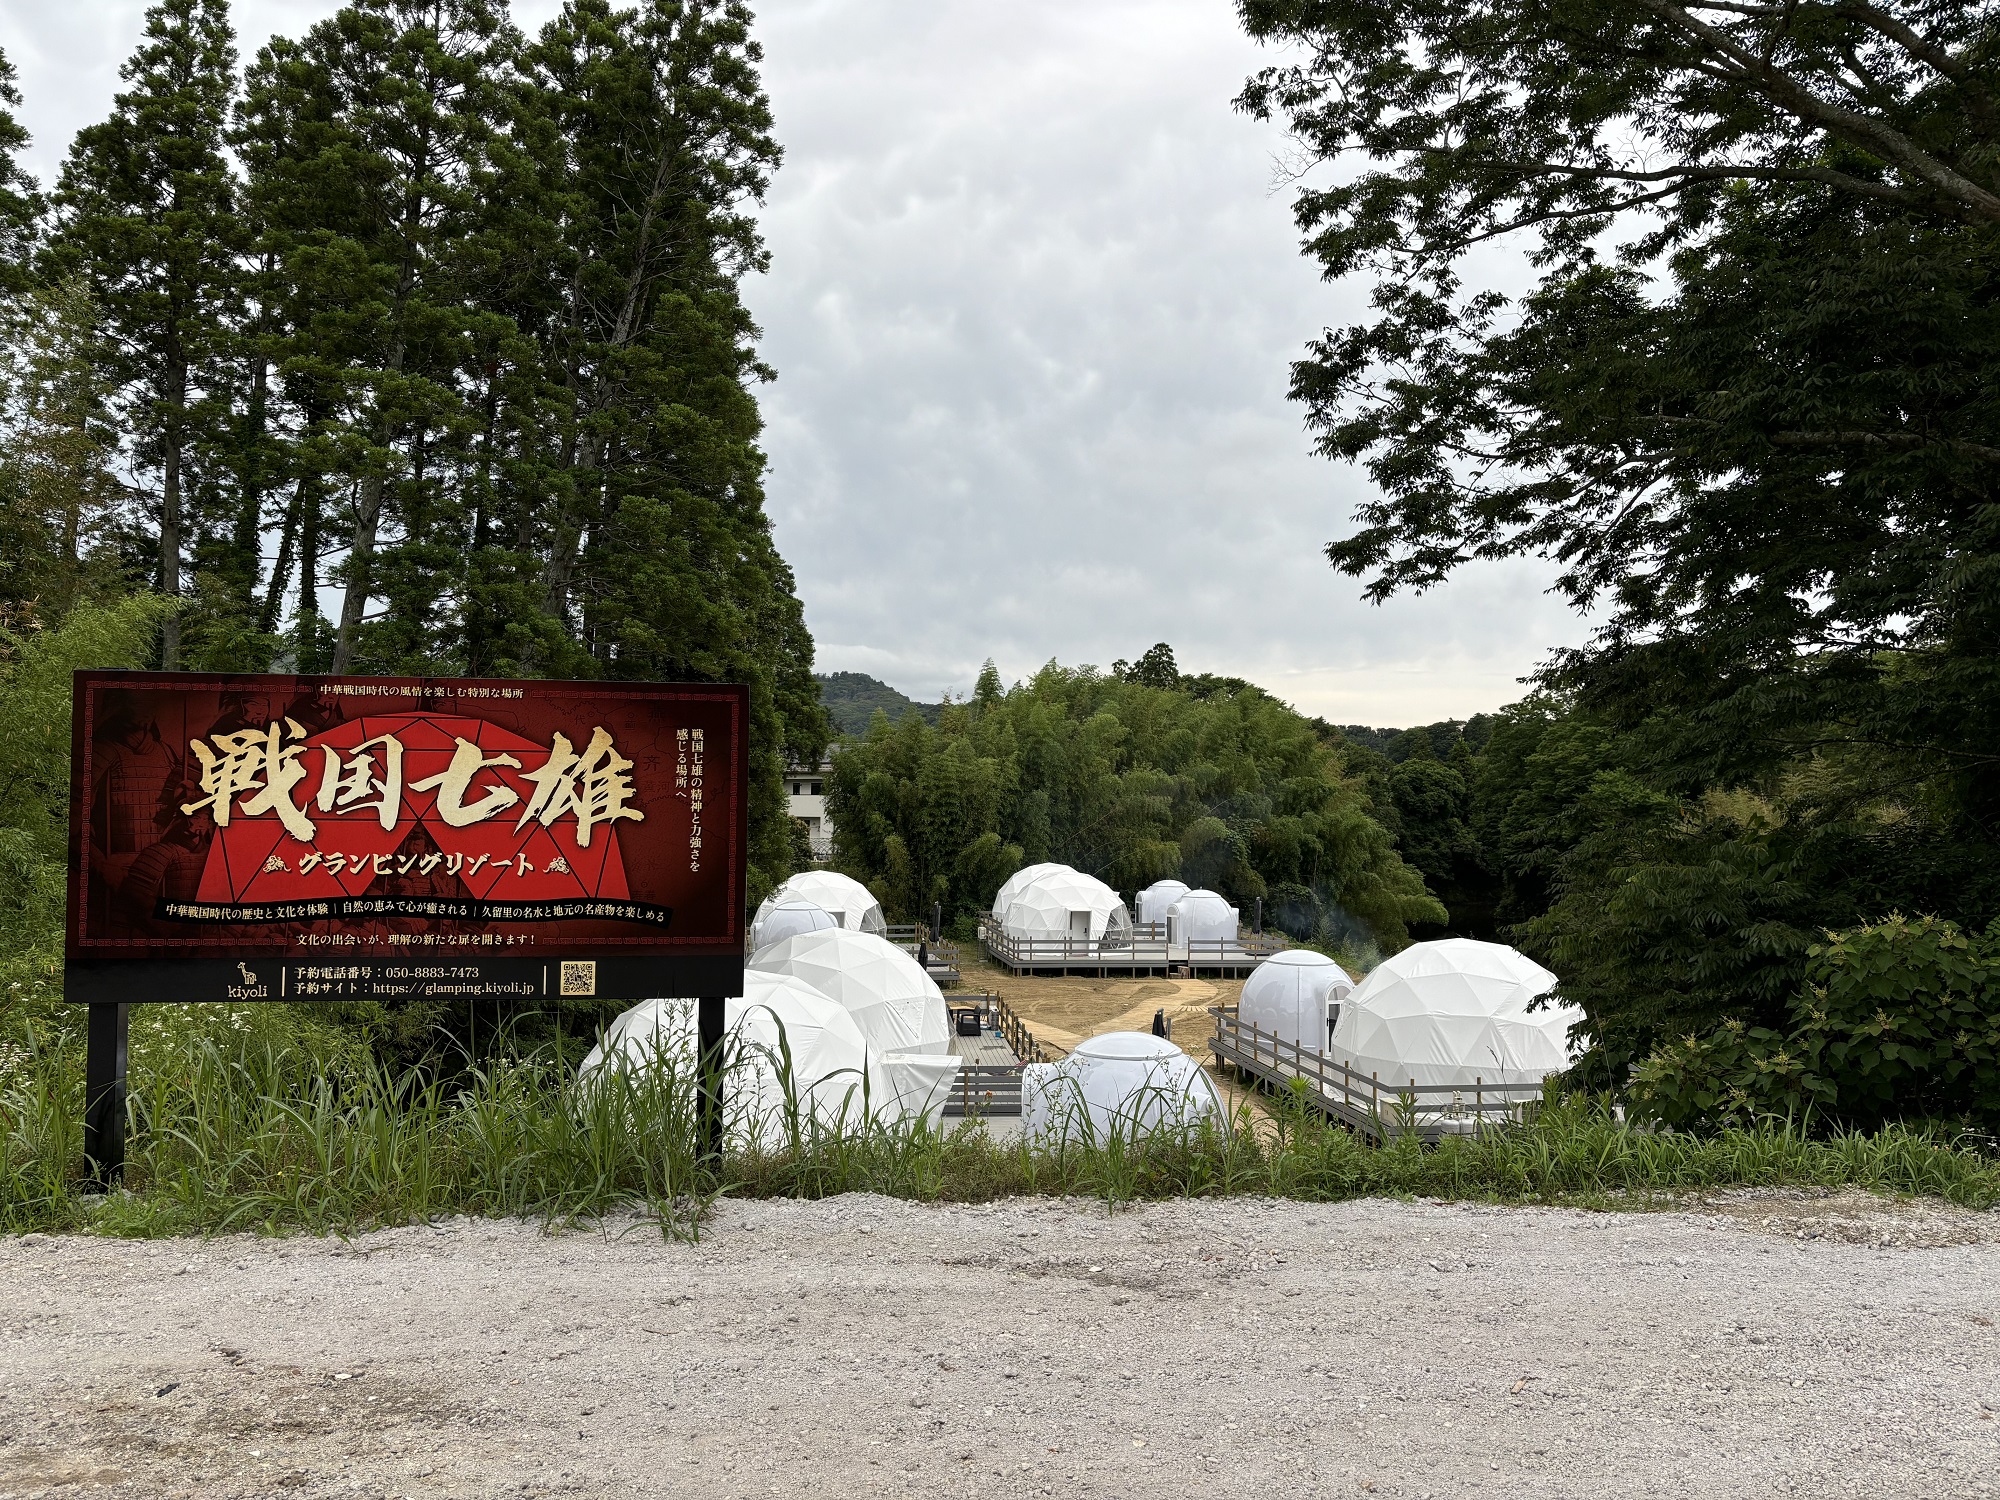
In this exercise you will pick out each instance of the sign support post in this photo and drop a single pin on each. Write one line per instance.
(104, 1093)
(709, 1024)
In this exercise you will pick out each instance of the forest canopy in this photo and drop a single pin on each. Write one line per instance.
(1745, 401)
(1212, 782)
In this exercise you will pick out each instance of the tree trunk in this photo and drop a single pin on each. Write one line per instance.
(367, 516)
(360, 553)
(560, 571)
(170, 514)
(281, 570)
(248, 541)
(306, 626)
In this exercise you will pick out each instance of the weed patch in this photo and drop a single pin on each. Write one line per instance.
(264, 1138)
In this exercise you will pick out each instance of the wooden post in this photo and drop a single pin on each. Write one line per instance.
(104, 1093)
(709, 1025)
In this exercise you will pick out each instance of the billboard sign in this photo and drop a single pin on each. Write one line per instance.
(242, 838)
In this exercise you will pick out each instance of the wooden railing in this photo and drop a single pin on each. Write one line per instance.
(985, 1089)
(1381, 1107)
(1144, 947)
(909, 938)
(999, 1017)
(1009, 1027)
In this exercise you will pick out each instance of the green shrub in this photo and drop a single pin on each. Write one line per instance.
(1899, 1019)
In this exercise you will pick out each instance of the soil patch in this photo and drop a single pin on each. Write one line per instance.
(869, 1347)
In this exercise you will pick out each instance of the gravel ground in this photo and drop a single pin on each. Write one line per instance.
(1752, 1345)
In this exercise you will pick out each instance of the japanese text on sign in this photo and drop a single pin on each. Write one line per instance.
(252, 773)
(688, 781)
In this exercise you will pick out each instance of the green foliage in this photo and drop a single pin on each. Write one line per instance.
(35, 670)
(1129, 782)
(147, 219)
(852, 699)
(20, 196)
(1156, 668)
(1746, 407)
(60, 499)
(1899, 1019)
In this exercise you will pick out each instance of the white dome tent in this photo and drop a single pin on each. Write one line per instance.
(1154, 900)
(1454, 1014)
(1201, 917)
(777, 920)
(1293, 996)
(1123, 1083)
(1062, 903)
(1014, 883)
(920, 1083)
(841, 897)
(829, 1059)
(898, 1007)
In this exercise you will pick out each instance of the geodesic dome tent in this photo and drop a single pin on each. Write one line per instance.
(920, 1083)
(1201, 917)
(1154, 900)
(1121, 1083)
(1065, 903)
(1014, 883)
(841, 897)
(1454, 1013)
(1292, 995)
(829, 1059)
(777, 920)
(898, 1007)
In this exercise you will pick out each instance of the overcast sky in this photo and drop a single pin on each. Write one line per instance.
(1032, 304)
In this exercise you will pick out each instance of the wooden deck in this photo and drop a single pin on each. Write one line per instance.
(1145, 953)
(940, 958)
(1375, 1106)
(989, 1084)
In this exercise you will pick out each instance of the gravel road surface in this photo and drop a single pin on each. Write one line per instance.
(1752, 1346)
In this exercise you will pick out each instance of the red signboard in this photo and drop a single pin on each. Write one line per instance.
(267, 837)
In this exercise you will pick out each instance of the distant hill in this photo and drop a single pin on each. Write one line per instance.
(853, 697)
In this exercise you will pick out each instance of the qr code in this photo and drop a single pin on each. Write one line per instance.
(580, 978)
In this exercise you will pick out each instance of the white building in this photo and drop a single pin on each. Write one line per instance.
(805, 799)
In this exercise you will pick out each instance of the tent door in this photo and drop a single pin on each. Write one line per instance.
(1332, 1020)
(840, 919)
(1079, 926)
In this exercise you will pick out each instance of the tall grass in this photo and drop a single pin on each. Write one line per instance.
(262, 1137)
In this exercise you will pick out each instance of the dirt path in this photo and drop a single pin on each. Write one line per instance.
(1062, 1011)
(867, 1347)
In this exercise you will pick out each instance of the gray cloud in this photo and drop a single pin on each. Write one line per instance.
(1032, 307)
